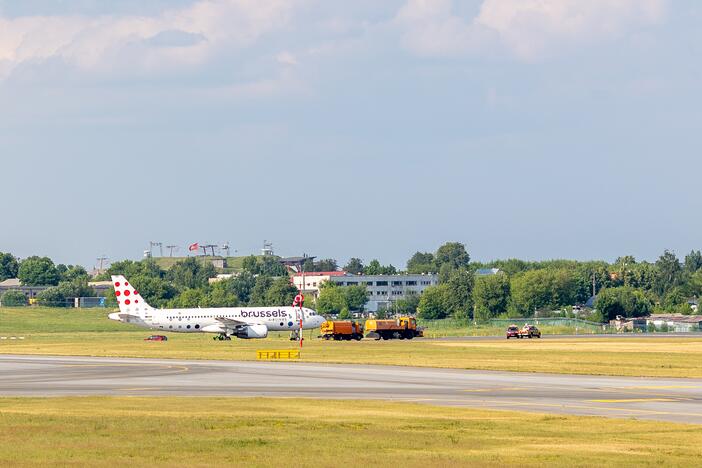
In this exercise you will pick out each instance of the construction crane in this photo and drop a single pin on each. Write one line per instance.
(171, 249)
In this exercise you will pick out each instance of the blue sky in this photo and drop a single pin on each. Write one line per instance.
(523, 128)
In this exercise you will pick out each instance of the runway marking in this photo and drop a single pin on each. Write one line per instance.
(500, 389)
(635, 400)
(167, 366)
(135, 389)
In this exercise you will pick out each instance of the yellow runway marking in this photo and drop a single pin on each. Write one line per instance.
(635, 400)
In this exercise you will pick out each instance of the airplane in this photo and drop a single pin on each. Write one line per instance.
(241, 322)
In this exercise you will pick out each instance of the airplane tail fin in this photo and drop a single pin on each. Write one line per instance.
(129, 300)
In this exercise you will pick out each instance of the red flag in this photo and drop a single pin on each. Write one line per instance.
(193, 247)
(298, 301)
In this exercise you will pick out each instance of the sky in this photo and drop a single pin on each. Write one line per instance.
(534, 129)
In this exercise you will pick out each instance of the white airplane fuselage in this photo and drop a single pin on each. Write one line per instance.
(209, 319)
(242, 322)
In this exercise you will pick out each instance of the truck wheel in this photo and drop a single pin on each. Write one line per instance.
(530, 336)
(358, 337)
(410, 336)
(386, 337)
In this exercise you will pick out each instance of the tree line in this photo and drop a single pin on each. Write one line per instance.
(625, 287)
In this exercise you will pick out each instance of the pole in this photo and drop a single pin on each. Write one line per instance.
(302, 267)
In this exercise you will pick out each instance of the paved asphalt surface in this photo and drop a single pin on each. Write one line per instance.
(678, 400)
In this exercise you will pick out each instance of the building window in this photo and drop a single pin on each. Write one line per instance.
(397, 283)
(381, 283)
(410, 283)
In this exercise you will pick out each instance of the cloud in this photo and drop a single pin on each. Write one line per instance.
(286, 58)
(189, 35)
(529, 29)
(175, 38)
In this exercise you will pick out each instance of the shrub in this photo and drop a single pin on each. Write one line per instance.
(13, 299)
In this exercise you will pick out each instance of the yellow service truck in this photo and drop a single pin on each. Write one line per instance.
(401, 327)
(341, 330)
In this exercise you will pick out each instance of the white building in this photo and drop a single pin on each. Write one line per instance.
(385, 289)
(312, 281)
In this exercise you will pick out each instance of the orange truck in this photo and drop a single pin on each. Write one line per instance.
(341, 330)
(402, 328)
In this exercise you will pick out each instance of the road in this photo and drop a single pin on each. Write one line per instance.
(677, 400)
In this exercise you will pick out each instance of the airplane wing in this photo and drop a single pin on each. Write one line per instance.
(232, 323)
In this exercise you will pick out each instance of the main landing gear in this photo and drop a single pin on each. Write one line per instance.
(222, 337)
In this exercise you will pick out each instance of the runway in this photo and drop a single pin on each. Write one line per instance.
(677, 400)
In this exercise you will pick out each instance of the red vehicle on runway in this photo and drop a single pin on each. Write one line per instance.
(512, 332)
(156, 338)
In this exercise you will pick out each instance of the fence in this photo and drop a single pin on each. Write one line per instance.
(553, 322)
(71, 302)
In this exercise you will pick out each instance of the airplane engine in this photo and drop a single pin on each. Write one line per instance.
(253, 331)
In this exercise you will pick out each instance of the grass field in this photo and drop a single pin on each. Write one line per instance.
(89, 333)
(187, 432)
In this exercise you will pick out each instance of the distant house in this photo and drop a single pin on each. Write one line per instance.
(622, 324)
(14, 284)
(676, 322)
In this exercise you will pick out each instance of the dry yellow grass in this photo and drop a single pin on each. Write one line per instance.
(188, 432)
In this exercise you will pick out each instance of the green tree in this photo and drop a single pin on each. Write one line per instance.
(13, 299)
(331, 300)
(38, 271)
(74, 272)
(453, 254)
(250, 265)
(490, 296)
(191, 273)
(421, 262)
(9, 266)
(545, 289)
(356, 297)
(344, 314)
(220, 295)
(326, 264)
(407, 305)
(76, 288)
(188, 298)
(669, 272)
(241, 285)
(52, 297)
(271, 266)
(375, 268)
(459, 299)
(131, 269)
(433, 304)
(625, 301)
(693, 261)
(281, 293)
(260, 291)
(157, 292)
(642, 276)
(354, 266)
